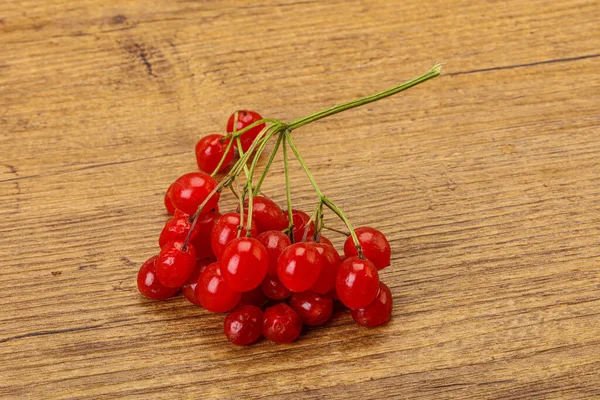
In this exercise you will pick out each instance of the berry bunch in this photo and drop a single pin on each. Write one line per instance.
(261, 257)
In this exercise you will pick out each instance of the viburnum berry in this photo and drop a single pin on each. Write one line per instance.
(275, 242)
(202, 234)
(254, 297)
(168, 204)
(189, 287)
(175, 264)
(378, 312)
(149, 285)
(267, 214)
(243, 325)
(357, 282)
(299, 266)
(314, 309)
(176, 229)
(303, 229)
(272, 287)
(281, 324)
(330, 263)
(226, 229)
(189, 191)
(245, 118)
(375, 246)
(209, 151)
(213, 292)
(244, 263)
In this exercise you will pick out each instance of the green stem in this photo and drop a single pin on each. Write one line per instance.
(227, 180)
(239, 133)
(222, 159)
(436, 70)
(296, 152)
(338, 211)
(330, 204)
(288, 192)
(239, 144)
(268, 166)
(336, 230)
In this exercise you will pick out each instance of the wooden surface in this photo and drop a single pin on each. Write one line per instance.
(486, 181)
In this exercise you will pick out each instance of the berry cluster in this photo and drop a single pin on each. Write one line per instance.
(271, 268)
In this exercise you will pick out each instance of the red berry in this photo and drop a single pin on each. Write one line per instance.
(281, 324)
(274, 289)
(330, 264)
(189, 287)
(299, 266)
(244, 264)
(302, 231)
(378, 312)
(357, 282)
(226, 229)
(149, 285)
(374, 245)
(168, 204)
(190, 190)
(275, 242)
(314, 309)
(213, 292)
(209, 151)
(176, 230)
(245, 118)
(175, 264)
(267, 215)
(243, 325)
(202, 233)
(254, 297)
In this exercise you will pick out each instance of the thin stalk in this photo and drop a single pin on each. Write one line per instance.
(227, 180)
(336, 230)
(436, 70)
(268, 165)
(288, 192)
(222, 158)
(330, 204)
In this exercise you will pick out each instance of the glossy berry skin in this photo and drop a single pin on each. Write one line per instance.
(168, 204)
(190, 190)
(274, 289)
(299, 266)
(226, 229)
(267, 215)
(281, 324)
(213, 292)
(300, 219)
(176, 230)
(149, 285)
(374, 245)
(275, 242)
(243, 326)
(254, 297)
(378, 312)
(357, 283)
(189, 287)
(202, 234)
(314, 309)
(209, 151)
(175, 264)
(245, 118)
(330, 264)
(244, 264)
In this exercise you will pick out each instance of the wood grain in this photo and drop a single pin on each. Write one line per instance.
(486, 181)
